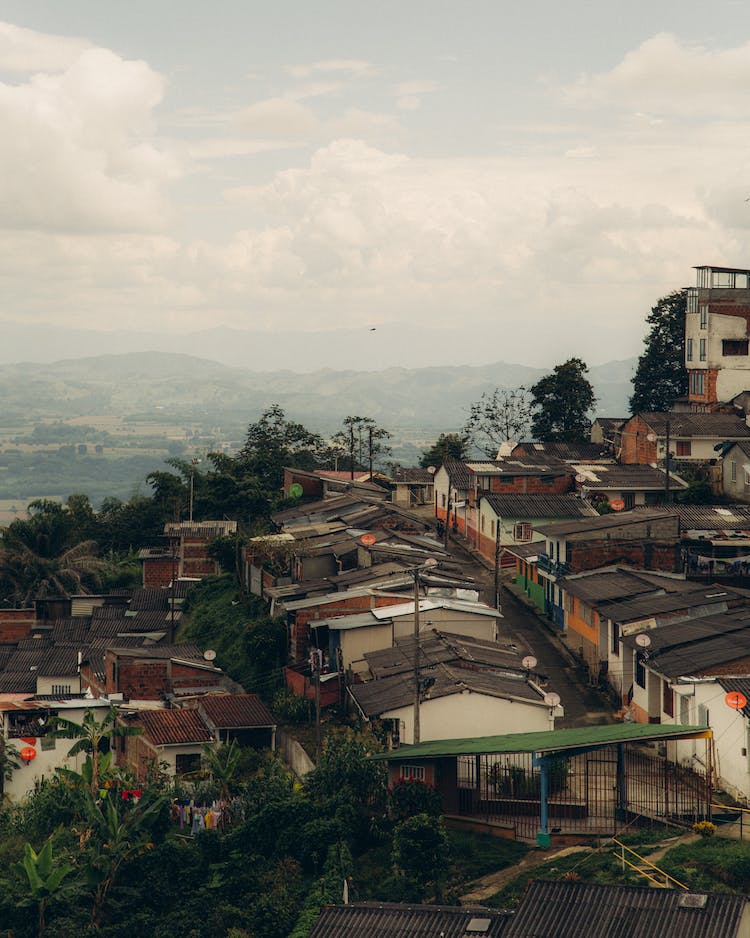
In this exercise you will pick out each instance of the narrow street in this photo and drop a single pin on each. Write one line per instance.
(584, 705)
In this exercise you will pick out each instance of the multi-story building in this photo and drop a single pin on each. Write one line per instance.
(717, 336)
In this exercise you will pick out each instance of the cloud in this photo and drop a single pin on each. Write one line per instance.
(79, 150)
(355, 68)
(409, 94)
(666, 75)
(23, 50)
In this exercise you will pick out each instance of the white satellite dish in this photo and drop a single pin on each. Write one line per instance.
(580, 478)
(651, 437)
(552, 699)
(432, 470)
(642, 640)
(209, 654)
(529, 662)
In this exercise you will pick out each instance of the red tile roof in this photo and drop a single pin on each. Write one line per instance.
(236, 710)
(172, 727)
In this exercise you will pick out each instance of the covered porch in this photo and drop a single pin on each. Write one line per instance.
(582, 781)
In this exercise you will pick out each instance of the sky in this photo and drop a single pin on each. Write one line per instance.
(533, 174)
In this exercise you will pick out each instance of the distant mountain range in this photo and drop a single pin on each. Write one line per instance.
(181, 387)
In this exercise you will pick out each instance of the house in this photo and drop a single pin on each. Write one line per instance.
(693, 438)
(516, 519)
(452, 698)
(624, 487)
(716, 336)
(347, 638)
(458, 485)
(735, 472)
(646, 539)
(412, 487)
(171, 740)
(607, 430)
(186, 554)
(595, 451)
(392, 920)
(566, 909)
(240, 718)
(26, 722)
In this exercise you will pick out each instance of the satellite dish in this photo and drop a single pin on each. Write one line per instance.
(295, 490)
(209, 654)
(432, 470)
(735, 700)
(580, 478)
(552, 699)
(368, 539)
(617, 504)
(643, 641)
(651, 437)
(529, 662)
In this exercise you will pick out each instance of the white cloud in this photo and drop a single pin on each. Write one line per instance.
(666, 75)
(23, 50)
(356, 68)
(409, 94)
(79, 150)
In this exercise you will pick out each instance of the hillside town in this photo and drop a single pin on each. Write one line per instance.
(546, 649)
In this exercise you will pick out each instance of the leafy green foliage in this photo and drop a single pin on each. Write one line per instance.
(420, 853)
(447, 446)
(562, 403)
(660, 376)
(412, 796)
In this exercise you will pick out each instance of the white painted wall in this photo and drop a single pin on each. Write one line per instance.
(470, 714)
(355, 642)
(448, 620)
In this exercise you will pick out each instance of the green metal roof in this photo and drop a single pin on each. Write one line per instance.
(583, 737)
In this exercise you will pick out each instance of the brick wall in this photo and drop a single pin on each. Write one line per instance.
(539, 485)
(16, 624)
(636, 448)
(338, 607)
(649, 555)
(157, 573)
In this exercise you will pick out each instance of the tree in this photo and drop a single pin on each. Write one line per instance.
(363, 441)
(45, 880)
(420, 852)
(562, 402)
(90, 735)
(660, 376)
(448, 446)
(498, 416)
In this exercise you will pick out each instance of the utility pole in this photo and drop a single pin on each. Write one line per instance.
(416, 656)
(447, 517)
(369, 449)
(498, 524)
(667, 491)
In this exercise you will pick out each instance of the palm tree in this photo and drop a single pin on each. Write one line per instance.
(90, 735)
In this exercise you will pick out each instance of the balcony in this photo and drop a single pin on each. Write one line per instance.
(555, 568)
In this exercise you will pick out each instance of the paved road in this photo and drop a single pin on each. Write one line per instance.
(583, 704)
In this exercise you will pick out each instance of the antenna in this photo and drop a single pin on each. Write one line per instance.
(209, 654)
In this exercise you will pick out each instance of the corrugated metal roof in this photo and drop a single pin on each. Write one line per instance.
(172, 727)
(548, 741)
(566, 451)
(530, 507)
(600, 587)
(603, 522)
(390, 920)
(200, 528)
(582, 910)
(227, 711)
(437, 646)
(721, 426)
(707, 517)
(392, 693)
(650, 606)
(626, 477)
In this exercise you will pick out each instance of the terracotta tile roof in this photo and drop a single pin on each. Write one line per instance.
(172, 727)
(235, 711)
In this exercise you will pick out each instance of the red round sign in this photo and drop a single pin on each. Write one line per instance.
(28, 753)
(735, 700)
(617, 504)
(368, 539)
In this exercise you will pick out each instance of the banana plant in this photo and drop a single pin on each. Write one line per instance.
(46, 880)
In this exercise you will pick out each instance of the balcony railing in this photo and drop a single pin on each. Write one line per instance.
(554, 567)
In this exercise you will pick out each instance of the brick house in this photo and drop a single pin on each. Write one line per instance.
(693, 438)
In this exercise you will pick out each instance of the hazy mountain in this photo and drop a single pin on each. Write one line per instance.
(187, 388)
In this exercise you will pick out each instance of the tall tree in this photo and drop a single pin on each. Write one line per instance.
(562, 402)
(363, 442)
(660, 376)
(448, 446)
(498, 416)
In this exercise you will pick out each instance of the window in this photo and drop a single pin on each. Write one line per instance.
(640, 670)
(734, 346)
(683, 447)
(667, 699)
(684, 709)
(704, 316)
(703, 715)
(481, 523)
(733, 470)
(722, 278)
(442, 498)
(615, 639)
(412, 772)
(60, 689)
(568, 602)
(702, 353)
(689, 350)
(522, 531)
(697, 382)
(187, 763)
(692, 300)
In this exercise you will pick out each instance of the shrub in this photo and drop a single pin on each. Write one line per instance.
(413, 796)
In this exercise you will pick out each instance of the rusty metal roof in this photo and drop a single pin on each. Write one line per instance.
(235, 711)
(394, 920)
(173, 727)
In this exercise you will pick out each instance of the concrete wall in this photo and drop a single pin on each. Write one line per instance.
(476, 714)
(293, 754)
